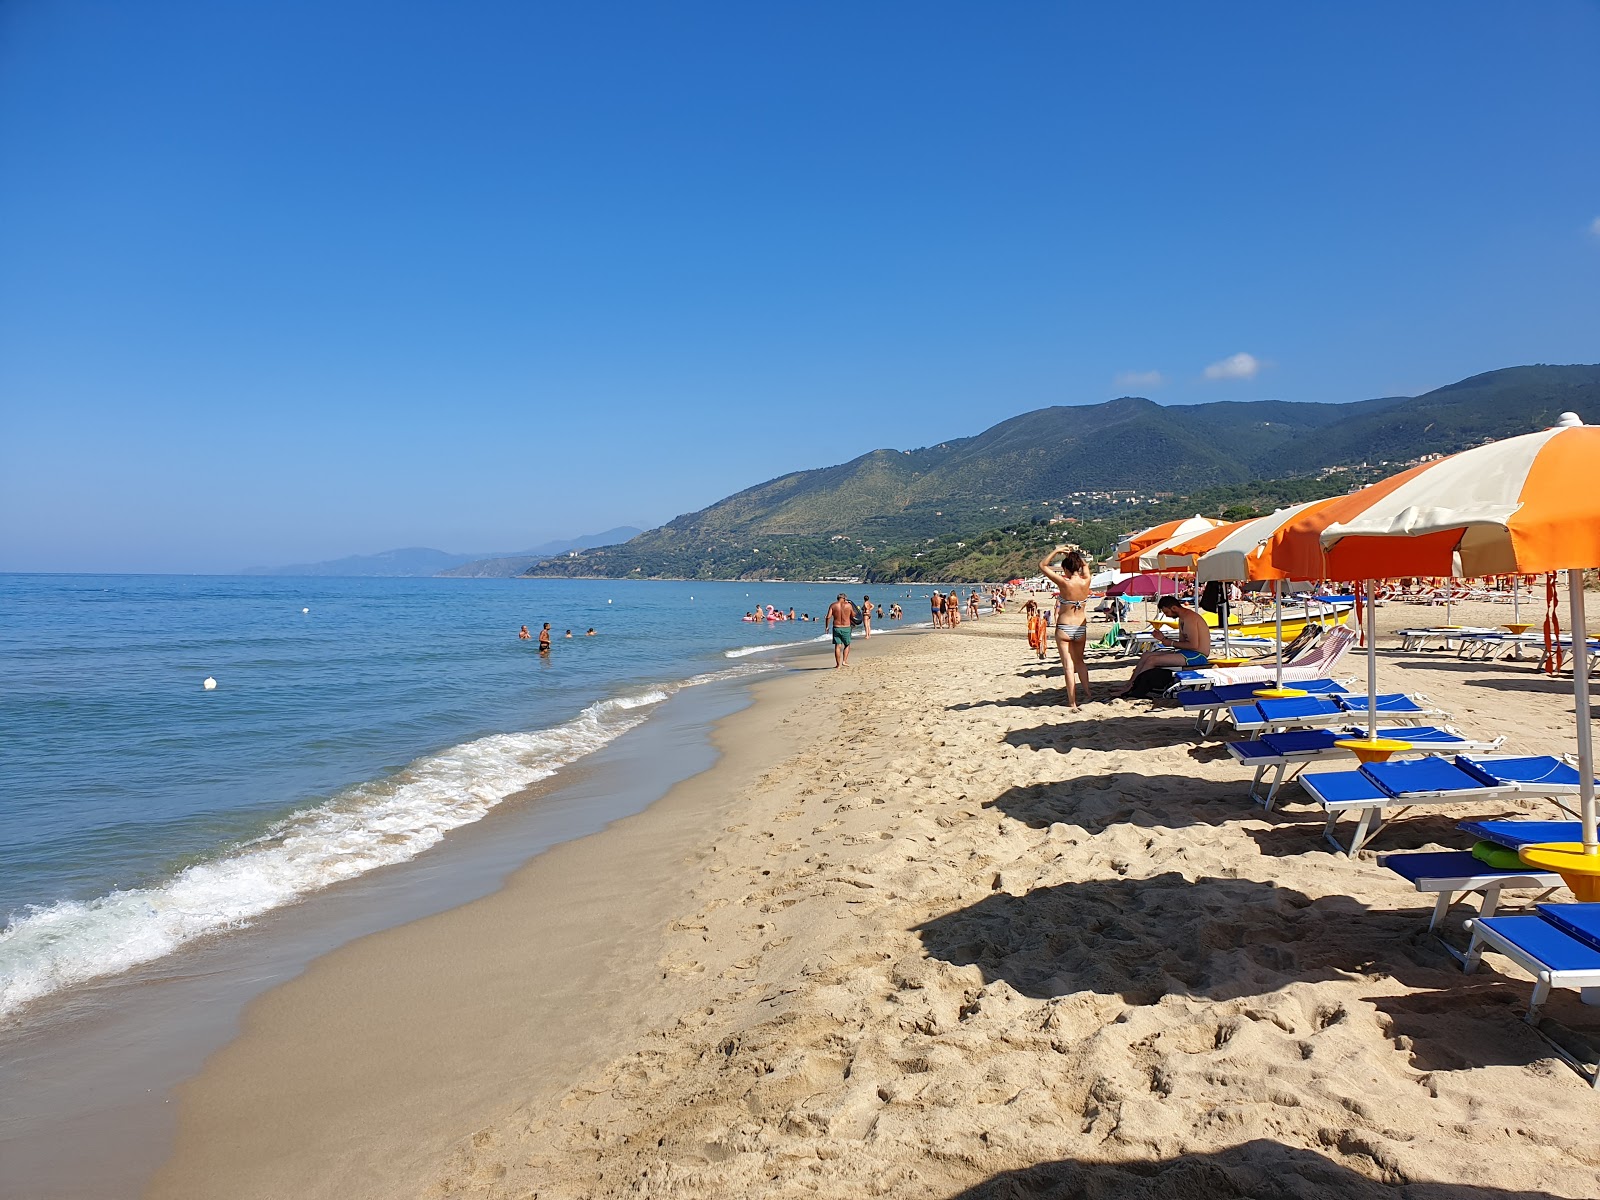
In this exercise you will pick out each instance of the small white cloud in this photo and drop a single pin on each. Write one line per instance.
(1235, 366)
(1139, 379)
(1594, 227)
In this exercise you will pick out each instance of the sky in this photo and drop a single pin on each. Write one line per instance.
(285, 280)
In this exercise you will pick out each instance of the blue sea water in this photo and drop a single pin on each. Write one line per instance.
(354, 722)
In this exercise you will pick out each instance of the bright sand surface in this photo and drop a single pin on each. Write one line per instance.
(923, 932)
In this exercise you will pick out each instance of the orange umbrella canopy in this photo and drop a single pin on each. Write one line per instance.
(1525, 505)
(1149, 549)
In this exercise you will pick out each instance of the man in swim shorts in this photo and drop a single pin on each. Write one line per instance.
(1190, 648)
(544, 639)
(840, 614)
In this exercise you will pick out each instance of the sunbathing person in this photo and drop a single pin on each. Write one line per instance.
(1190, 648)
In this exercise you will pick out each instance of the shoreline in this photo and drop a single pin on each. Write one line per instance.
(97, 1063)
(919, 931)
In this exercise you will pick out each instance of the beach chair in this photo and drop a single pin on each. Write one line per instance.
(1446, 636)
(1559, 945)
(1318, 662)
(1208, 704)
(1370, 790)
(1310, 712)
(1285, 755)
(1459, 873)
(1111, 643)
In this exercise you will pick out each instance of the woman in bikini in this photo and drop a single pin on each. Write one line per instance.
(1071, 616)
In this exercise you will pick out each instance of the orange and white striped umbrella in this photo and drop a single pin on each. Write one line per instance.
(1524, 504)
(1146, 550)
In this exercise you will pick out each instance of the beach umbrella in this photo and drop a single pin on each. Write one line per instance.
(1522, 505)
(1241, 552)
(1149, 549)
(1138, 585)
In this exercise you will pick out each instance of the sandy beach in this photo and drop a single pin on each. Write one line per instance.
(923, 932)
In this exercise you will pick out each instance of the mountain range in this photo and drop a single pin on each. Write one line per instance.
(875, 515)
(420, 560)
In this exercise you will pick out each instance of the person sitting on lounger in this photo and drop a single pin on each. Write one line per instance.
(1190, 648)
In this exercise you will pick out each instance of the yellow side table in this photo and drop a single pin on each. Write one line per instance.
(1580, 871)
(1374, 749)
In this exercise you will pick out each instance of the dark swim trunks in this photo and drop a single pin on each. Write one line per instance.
(841, 635)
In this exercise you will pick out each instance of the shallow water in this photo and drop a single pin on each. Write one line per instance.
(354, 723)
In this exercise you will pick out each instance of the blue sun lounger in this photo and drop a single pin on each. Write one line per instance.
(1286, 754)
(1207, 704)
(1513, 835)
(1308, 712)
(1452, 872)
(1370, 790)
(1559, 945)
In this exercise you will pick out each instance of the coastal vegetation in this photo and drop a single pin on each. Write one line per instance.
(982, 508)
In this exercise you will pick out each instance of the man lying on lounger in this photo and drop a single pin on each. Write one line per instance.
(1190, 648)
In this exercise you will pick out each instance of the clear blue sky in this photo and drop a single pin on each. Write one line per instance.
(292, 279)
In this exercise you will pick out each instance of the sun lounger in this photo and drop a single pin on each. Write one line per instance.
(1559, 945)
(1449, 872)
(1310, 712)
(1208, 704)
(1287, 754)
(1374, 787)
(1316, 663)
(1445, 635)
(1513, 835)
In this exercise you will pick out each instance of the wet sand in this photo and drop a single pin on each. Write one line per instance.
(923, 932)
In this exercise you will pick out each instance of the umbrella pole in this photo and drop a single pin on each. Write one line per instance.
(1372, 666)
(1277, 613)
(1580, 695)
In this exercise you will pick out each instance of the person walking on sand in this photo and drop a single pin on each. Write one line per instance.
(840, 616)
(972, 604)
(937, 601)
(544, 639)
(866, 616)
(1071, 615)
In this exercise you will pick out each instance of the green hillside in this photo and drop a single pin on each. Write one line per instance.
(893, 514)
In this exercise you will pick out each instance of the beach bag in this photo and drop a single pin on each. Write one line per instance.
(1149, 684)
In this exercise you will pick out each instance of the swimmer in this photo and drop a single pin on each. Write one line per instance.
(590, 633)
(544, 639)
(525, 635)
(568, 633)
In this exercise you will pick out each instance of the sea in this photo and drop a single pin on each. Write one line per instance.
(181, 755)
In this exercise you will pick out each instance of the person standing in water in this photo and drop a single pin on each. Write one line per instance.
(1071, 616)
(840, 615)
(544, 639)
(524, 635)
(866, 616)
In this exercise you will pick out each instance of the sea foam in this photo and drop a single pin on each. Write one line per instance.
(369, 825)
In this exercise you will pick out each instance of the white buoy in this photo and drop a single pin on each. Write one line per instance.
(210, 684)
(305, 610)
(608, 602)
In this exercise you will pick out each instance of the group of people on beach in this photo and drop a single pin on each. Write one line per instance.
(947, 606)
(544, 636)
(1190, 646)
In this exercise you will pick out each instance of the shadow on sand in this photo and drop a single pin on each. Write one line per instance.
(1142, 939)
(1257, 1170)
